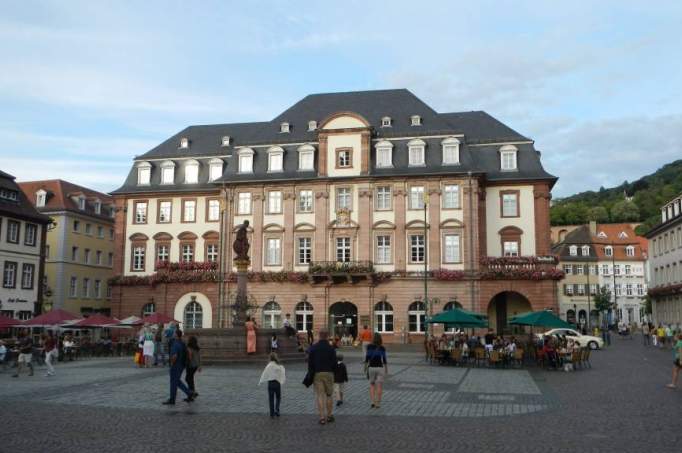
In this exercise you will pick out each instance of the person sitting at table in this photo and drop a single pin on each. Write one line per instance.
(69, 346)
(465, 349)
(550, 352)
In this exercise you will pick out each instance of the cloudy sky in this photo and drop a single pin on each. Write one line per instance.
(85, 86)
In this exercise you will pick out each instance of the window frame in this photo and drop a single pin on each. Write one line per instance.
(384, 315)
(422, 198)
(299, 249)
(134, 257)
(378, 247)
(244, 153)
(214, 164)
(444, 254)
(509, 150)
(458, 191)
(5, 282)
(167, 166)
(339, 152)
(389, 197)
(384, 146)
(450, 142)
(412, 248)
(306, 150)
(208, 209)
(159, 202)
(194, 165)
(277, 251)
(343, 248)
(33, 236)
(277, 152)
(183, 204)
(137, 203)
(13, 225)
(517, 194)
(416, 145)
(300, 197)
(278, 200)
(337, 191)
(239, 203)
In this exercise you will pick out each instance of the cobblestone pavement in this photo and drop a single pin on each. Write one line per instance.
(618, 405)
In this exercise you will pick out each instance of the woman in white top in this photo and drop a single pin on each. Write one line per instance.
(275, 376)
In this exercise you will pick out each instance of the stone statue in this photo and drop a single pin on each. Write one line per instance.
(241, 243)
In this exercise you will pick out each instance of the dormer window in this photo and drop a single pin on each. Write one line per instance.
(144, 173)
(450, 151)
(184, 143)
(630, 250)
(312, 125)
(416, 120)
(215, 169)
(225, 141)
(81, 203)
(602, 235)
(168, 172)
(306, 157)
(586, 250)
(416, 153)
(41, 198)
(386, 121)
(508, 158)
(191, 172)
(608, 250)
(284, 128)
(384, 154)
(623, 235)
(275, 159)
(246, 160)
(573, 250)
(98, 207)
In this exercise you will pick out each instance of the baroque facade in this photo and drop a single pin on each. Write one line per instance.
(79, 252)
(364, 208)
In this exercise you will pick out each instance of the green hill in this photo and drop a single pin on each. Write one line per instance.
(638, 201)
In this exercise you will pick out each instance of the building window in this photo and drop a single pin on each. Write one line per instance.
(193, 316)
(450, 151)
(306, 157)
(187, 253)
(162, 253)
(225, 141)
(98, 289)
(451, 196)
(189, 210)
(383, 198)
(383, 255)
(111, 234)
(305, 201)
(41, 198)
(451, 248)
(215, 169)
(417, 248)
(275, 202)
(580, 269)
(212, 253)
(30, 233)
(138, 258)
(76, 226)
(86, 256)
(140, 212)
(74, 254)
(384, 154)
(417, 197)
(586, 250)
(213, 210)
(386, 121)
(81, 203)
(630, 250)
(284, 128)
(86, 288)
(110, 259)
(167, 172)
(304, 316)
(9, 275)
(272, 315)
(244, 203)
(628, 269)
(304, 250)
(416, 314)
(191, 172)
(640, 289)
(616, 269)
(383, 316)
(312, 125)
(47, 252)
(98, 207)
(344, 158)
(568, 269)
(109, 292)
(618, 289)
(165, 211)
(184, 142)
(343, 198)
(246, 161)
(275, 159)
(628, 289)
(510, 203)
(148, 309)
(416, 120)
(73, 284)
(343, 249)
(13, 231)
(608, 250)
(273, 255)
(508, 158)
(100, 232)
(573, 250)
(510, 248)
(88, 229)
(416, 153)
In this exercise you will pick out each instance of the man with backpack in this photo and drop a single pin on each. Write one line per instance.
(178, 362)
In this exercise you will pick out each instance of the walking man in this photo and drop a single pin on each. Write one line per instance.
(25, 353)
(178, 362)
(321, 363)
(645, 333)
(51, 352)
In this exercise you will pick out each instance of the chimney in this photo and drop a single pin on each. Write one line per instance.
(593, 228)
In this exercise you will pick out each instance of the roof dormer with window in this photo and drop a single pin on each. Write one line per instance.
(415, 120)
(81, 202)
(312, 125)
(41, 198)
(306, 157)
(508, 158)
(246, 160)
(384, 156)
(184, 143)
(144, 173)
(417, 151)
(225, 141)
(215, 169)
(386, 121)
(98, 206)
(573, 250)
(167, 172)
(450, 151)
(275, 159)
(191, 172)
(284, 128)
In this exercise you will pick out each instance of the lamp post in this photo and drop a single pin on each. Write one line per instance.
(427, 305)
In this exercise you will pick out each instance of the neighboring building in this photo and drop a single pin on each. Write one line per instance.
(665, 243)
(602, 255)
(80, 245)
(22, 237)
(334, 191)
(559, 232)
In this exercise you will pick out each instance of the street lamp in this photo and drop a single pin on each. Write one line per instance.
(426, 265)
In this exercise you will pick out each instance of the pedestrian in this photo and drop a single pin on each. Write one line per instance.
(321, 364)
(645, 333)
(193, 364)
(51, 352)
(274, 344)
(159, 351)
(365, 339)
(287, 326)
(169, 335)
(677, 363)
(310, 337)
(340, 379)
(275, 375)
(660, 334)
(376, 368)
(148, 347)
(25, 356)
(669, 336)
(250, 327)
(178, 363)
(3, 354)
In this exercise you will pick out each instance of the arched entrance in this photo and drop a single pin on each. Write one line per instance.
(194, 311)
(503, 306)
(343, 318)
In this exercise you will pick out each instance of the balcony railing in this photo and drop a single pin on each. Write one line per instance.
(338, 267)
(520, 267)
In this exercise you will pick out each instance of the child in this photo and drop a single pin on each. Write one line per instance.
(274, 375)
(274, 344)
(340, 378)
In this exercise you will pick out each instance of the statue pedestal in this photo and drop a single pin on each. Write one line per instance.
(225, 346)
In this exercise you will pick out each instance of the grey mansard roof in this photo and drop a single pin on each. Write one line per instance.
(480, 135)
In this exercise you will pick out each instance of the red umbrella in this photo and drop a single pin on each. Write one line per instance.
(6, 322)
(96, 320)
(52, 318)
(157, 318)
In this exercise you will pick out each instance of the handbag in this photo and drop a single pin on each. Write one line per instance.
(308, 379)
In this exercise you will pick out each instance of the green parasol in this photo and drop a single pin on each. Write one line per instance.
(540, 318)
(458, 318)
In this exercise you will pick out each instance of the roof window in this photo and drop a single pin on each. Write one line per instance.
(312, 125)
(386, 121)
(416, 120)
(184, 142)
(226, 140)
(284, 128)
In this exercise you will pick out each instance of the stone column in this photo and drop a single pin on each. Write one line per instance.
(242, 300)
(257, 245)
(365, 222)
(434, 250)
(288, 240)
(399, 251)
(321, 220)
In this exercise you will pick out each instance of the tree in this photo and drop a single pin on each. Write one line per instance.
(624, 211)
(602, 299)
(598, 214)
(576, 214)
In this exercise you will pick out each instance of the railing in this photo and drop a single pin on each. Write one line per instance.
(520, 267)
(337, 267)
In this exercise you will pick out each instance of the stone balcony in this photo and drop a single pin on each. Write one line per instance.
(336, 272)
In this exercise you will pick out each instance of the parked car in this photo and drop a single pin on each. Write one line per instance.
(580, 339)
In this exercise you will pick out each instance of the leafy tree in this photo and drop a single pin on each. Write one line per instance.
(625, 211)
(598, 214)
(576, 214)
(647, 305)
(602, 299)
